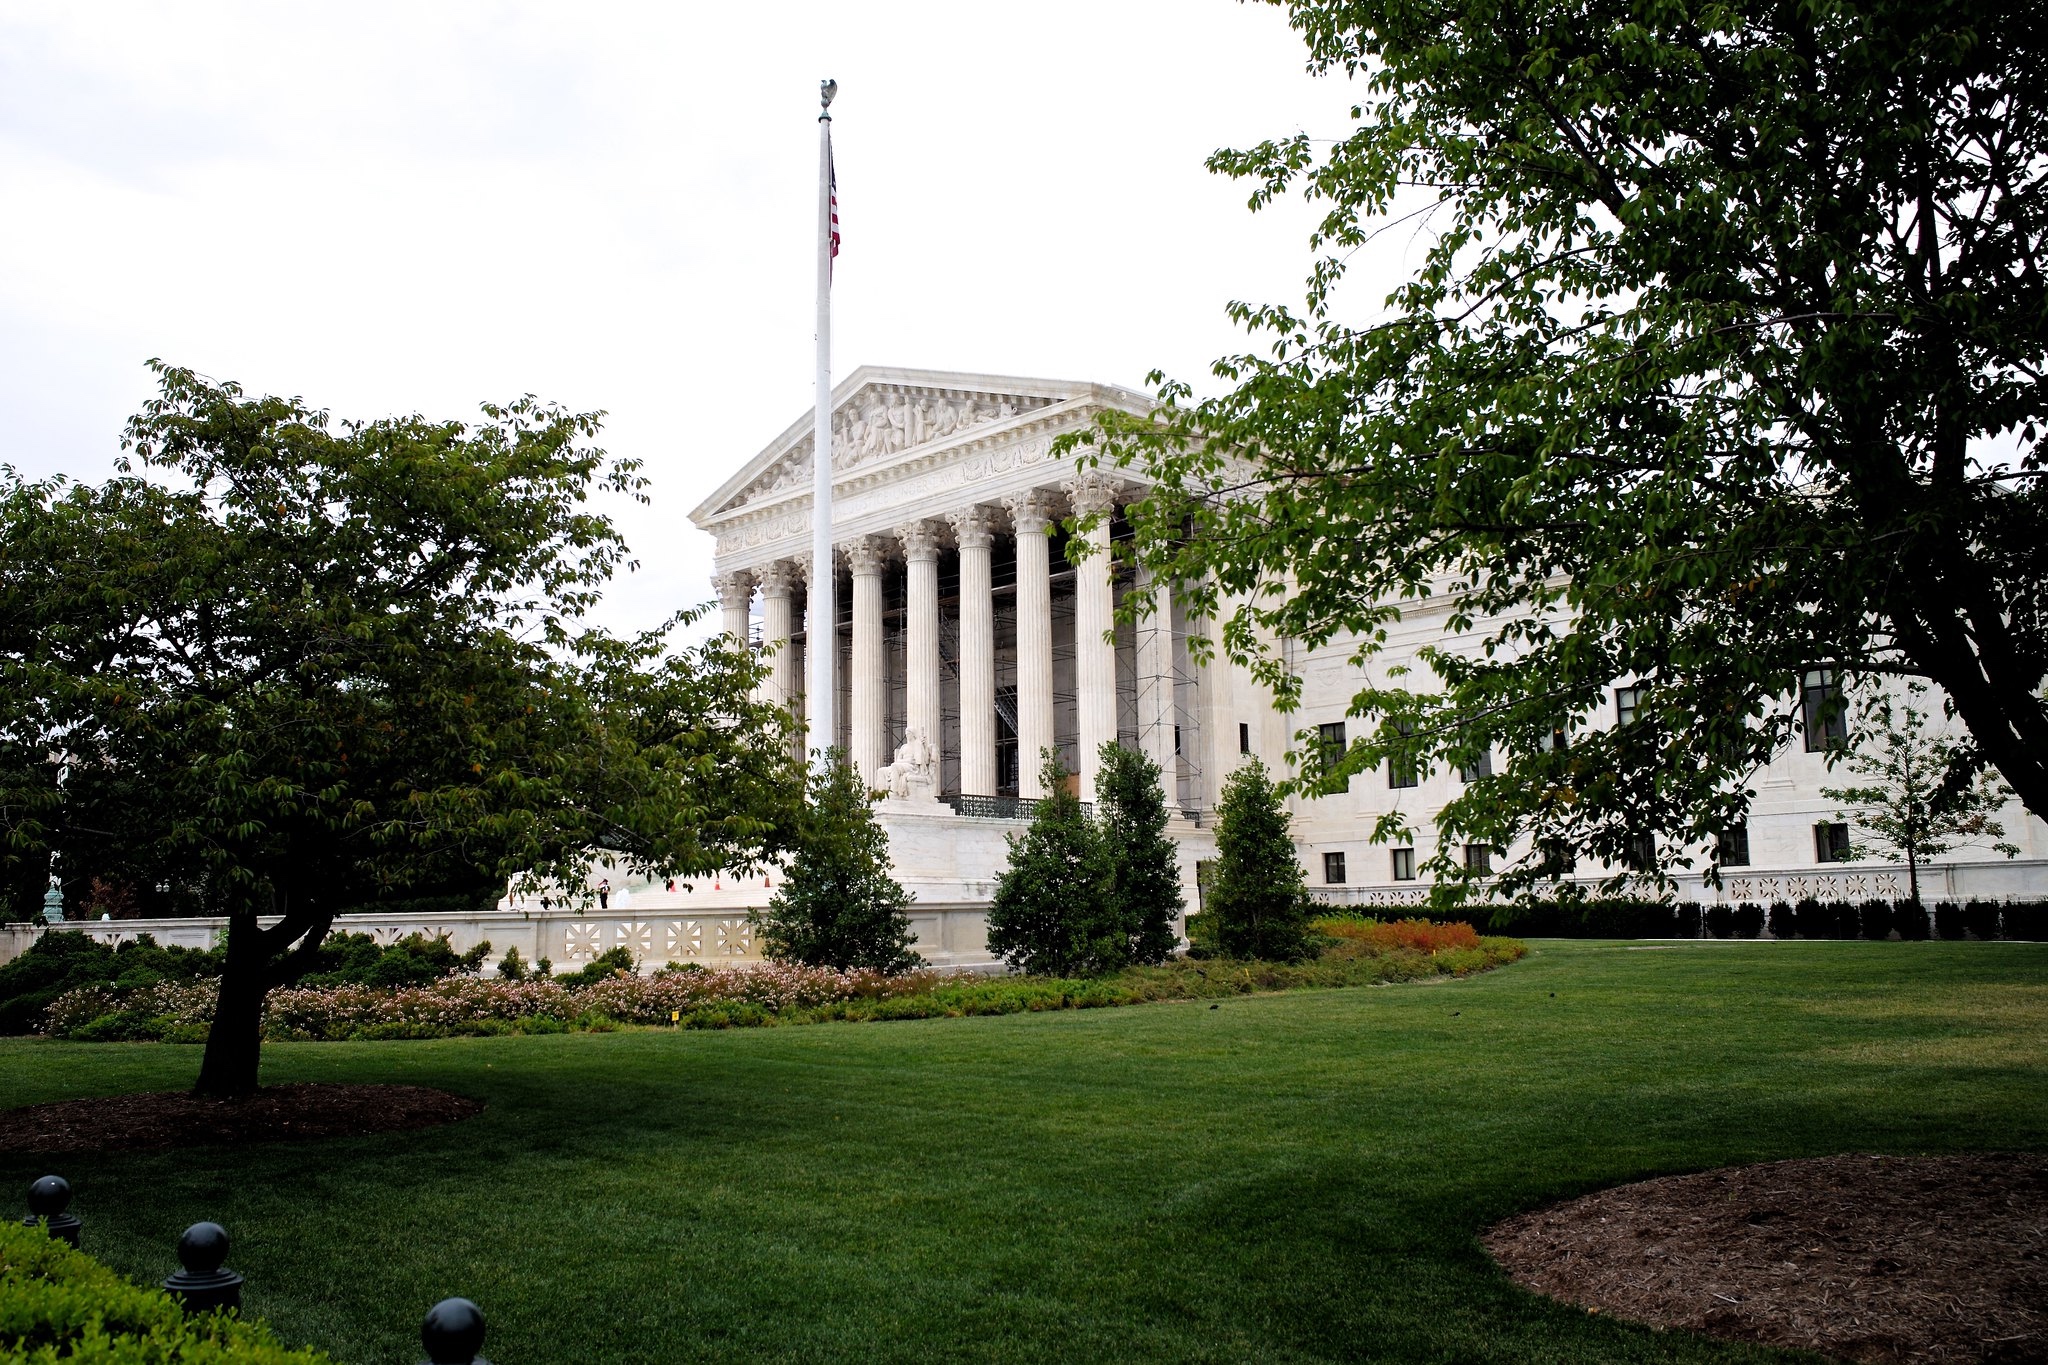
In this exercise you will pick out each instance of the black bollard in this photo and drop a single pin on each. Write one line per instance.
(202, 1285)
(453, 1333)
(47, 1200)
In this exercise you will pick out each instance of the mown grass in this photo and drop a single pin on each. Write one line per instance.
(1288, 1177)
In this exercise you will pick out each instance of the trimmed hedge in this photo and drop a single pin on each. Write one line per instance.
(57, 1304)
(2012, 921)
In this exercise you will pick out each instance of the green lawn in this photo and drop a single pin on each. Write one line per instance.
(1289, 1177)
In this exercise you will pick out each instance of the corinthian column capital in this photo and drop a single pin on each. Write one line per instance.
(1030, 511)
(735, 590)
(974, 528)
(866, 555)
(920, 541)
(1092, 491)
(778, 579)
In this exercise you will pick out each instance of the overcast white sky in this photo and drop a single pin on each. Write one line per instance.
(416, 207)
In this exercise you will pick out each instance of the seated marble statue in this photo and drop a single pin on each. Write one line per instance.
(915, 773)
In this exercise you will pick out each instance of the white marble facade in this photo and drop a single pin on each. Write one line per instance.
(970, 635)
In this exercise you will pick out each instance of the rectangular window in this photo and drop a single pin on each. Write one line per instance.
(1830, 842)
(1244, 738)
(1330, 746)
(1732, 849)
(1482, 766)
(1627, 702)
(1333, 869)
(1479, 858)
(1554, 742)
(1641, 854)
(1401, 767)
(1404, 864)
(1824, 715)
(1558, 858)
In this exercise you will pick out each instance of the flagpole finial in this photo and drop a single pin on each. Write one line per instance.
(826, 90)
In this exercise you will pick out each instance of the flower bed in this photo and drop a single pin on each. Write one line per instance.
(733, 997)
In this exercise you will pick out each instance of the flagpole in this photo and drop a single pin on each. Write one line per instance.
(822, 629)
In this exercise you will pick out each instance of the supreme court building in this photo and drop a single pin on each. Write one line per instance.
(968, 638)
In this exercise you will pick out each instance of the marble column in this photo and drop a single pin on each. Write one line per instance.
(920, 541)
(866, 556)
(735, 597)
(778, 588)
(1156, 710)
(1094, 603)
(974, 529)
(1031, 516)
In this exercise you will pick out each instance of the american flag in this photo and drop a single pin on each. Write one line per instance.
(832, 174)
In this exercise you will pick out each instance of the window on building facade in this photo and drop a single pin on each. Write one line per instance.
(1404, 864)
(1556, 741)
(1479, 858)
(1824, 717)
(1244, 737)
(1330, 746)
(1830, 842)
(1627, 702)
(1482, 766)
(1641, 854)
(1333, 869)
(1401, 767)
(1732, 848)
(1558, 858)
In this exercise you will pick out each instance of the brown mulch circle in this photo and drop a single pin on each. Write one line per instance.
(1867, 1258)
(176, 1118)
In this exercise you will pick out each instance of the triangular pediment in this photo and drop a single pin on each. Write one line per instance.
(882, 415)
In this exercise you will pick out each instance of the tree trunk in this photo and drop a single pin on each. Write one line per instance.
(234, 1044)
(1913, 876)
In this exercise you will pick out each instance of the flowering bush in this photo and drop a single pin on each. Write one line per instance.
(732, 997)
(1416, 935)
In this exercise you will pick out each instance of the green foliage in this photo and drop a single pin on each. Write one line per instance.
(324, 663)
(64, 960)
(58, 1304)
(837, 905)
(1719, 309)
(1130, 820)
(1054, 911)
(416, 959)
(511, 966)
(1257, 894)
(610, 962)
(1919, 798)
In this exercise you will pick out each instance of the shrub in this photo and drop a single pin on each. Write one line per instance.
(1144, 864)
(1415, 935)
(511, 966)
(838, 905)
(1948, 921)
(1981, 919)
(1748, 920)
(608, 963)
(66, 960)
(1257, 894)
(1053, 912)
(1783, 923)
(1720, 921)
(59, 1304)
(1874, 919)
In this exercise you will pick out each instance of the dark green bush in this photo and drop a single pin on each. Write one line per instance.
(1783, 922)
(59, 1304)
(63, 960)
(607, 963)
(1749, 920)
(1721, 921)
(415, 960)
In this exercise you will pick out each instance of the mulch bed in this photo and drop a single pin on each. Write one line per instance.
(1866, 1258)
(276, 1113)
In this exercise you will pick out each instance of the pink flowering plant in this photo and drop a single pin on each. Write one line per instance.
(723, 997)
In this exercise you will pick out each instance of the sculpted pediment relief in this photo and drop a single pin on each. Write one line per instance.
(877, 422)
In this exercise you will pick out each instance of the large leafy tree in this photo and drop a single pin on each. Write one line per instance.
(838, 905)
(1721, 364)
(313, 663)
